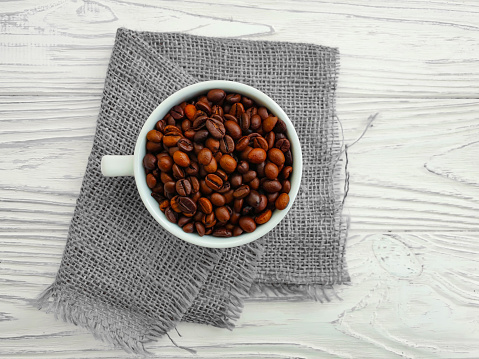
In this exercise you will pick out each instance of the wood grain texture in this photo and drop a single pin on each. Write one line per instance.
(414, 192)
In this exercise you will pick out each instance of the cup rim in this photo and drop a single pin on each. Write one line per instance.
(187, 93)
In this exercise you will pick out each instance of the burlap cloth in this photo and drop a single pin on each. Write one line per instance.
(129, 281)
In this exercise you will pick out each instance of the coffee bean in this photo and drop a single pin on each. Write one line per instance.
(272, 186)
(199, 122)
(154, 136)
(165, 163)
(237, 110)
(211, 167)
(205, 156)
(263, 112)
(276, 156)
(185, 145)
(218, 199)
(222, 174)
(182, 220)
(204, 205)
(280, 127)
(229, 196)
(242, 167)
(150, 180)
(192, 169)
(189, 228)
(257, 155)
(233, 98)
(204, 106)
(181, 159)
(255, 122)
(171, 215)
(263, 217)
(190, 111)
(201, 136)
(225, 188)
(215, 128)
(245, 153)
(237, 231)
(158, 188)
(260, 142)
(284, 145)
(254, 183)
(286, 172)
(171, 139)
(242, 192)
(149, 161)
(235, 216)
(223, 214)
(195, 196)
(228, 163)
(247, 224)
(178, 172)
(238, 204)
(216, 95)
(165, 177)
(244, 121)
(154, 146)
(183, 187)
(222, 232)
(282, 201)
(177, 113)
(272, 197)
(236, 180)
(253, 199)
(247, 102)
(249, 176)
(160, 125)
(185, 125)
(164, 205)
(288, 158)
(227, 145)
(271, 170)
(269, 123)
(213, 182)
(242, 143)
(217, 156)
(186, 204)
(209, 220)
(213, 144)
(263, 202)
(270, 138)
(200, 228)
(233, 129)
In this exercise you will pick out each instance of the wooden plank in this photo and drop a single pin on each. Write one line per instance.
(415, 49)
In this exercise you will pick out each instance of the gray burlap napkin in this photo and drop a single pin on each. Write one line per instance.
(125, 278)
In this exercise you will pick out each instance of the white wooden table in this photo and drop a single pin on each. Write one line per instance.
(413, 251)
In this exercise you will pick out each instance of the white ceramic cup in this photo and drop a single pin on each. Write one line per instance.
(133, 165)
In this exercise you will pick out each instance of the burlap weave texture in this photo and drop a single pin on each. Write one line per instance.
(125, 278)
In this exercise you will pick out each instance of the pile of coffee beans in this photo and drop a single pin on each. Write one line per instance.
(219, 164)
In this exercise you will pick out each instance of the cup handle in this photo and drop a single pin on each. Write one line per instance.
(112, 166)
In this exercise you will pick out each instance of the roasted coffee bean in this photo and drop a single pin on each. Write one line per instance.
(150, 180)
(200, 228)
(227, 144)
(272, 197)
(154, 146)
(211, 167)
(284, 145)
(272, 186)
(214, 182)
(260, 142)
(217, 156)
(245, 153)
(276, 156)
(242, 167)
(255, 122)
(185, 125)
(177, 113)
(271, 170)
(263, 112)
(254, 183)
(270, 138)
(242, 192)
(228, 163)
(280, 127)
(282, 201)
(154, 136)
(237, 231)
(222, 232)
(171, 215)
(253, 199)
(233, 129)
(189, 228)
(209, 220)
(233, 98)
(164, 205)
(216, 95)
(269, 123)
(257, 155)
(171, 139)
(238, 204)
(237, 110)
(205, 206)
(223, 214)
(182, 220)
(217, 110)
(172, 150)
(196, 196)
(236, 180)
(170, 187)
(185, 145)
(165, 163)
(217, 199)
(215, 128)
(158, 188)
(222, 174)
(204, 106)
(247, 102)
(247, 210)
(242, 143)
(263, 202)
(201, 136)
(190, 134)
(183, 187)
(229, 196)
(247, 224)
(225, 188)
(190, 111)
(249, 176)
(263, 217)
(205, 156)
(286, 186)
(149, 161)
(165, 177)
(199, 123)
(192, 169)
(286, 172)
(181, 159)
(160, 125)
(186, 204)
(172, 130)
(244, 121)
(213, 144)
(235, 216)
(178, 172)
(195, 183)
(288, 158)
